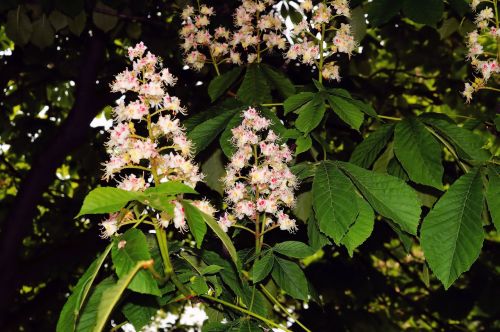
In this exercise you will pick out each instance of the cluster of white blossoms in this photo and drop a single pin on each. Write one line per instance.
(147, 137)
(318, 37)
(257, 29)
(483, 48)
(259, 184)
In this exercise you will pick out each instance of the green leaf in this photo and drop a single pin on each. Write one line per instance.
(222, 83)
(303, 207)
(292, 103)
(419, 153)
(225, 138)
(18, 26)
(169, 188)
(228, 274)
(381, 11)
(199, 285)
(58, 20)
(303, 170)
(361, 229)
(135, 249)
(254, 89)
(424, 11)
(203, 134)
(103, 21)
(211, 269)
(112, 294)
(278, 81)
(107, 200)
(226, 241)
(358, 23)
(77, 24)
(90, 311)
(71, 310)
(493, 195)
(452, 234)
(71, 8)
(245, 325)
(224, 106)
(367, 151)
(295, 249)
(214, 170)
(290, 278)
(276, 124)
(317, 240)
(467, 144)
(389, 196)
(460, 6)
(262, 267)
(347, 111)
(310, 114)
(196, 222)
(334, 201)
(139, 314)
(303, 143)
(365, 108)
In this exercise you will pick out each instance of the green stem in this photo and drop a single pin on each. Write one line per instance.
(248, 312)
(389, 118)
(450, 148)
(320, 67)
(489, 88)
(278, 303)
(272, 104)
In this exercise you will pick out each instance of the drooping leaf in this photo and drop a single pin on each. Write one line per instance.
(262, 267)
(290, 278)
(112, 294)
(419, 153)
(334, 201)
(18, 26)
(303, 170)
(43, 33)
(222, 83)
(254, 89)
(198, 285)
(303, 143)
(292, 103)
(493, 195)
(317, 240)
(361, 229)
(128, 249)
(295, 249)
(213, 168)
(58, 20)
(71, 310)
(452, 234)
(303, 207)
(90, 310)
(77, 24)
(367, 151)
(103, 17)
(226, 241)
(196, 222)
(347, 111)
(211, 269)
(381, 11)
(204, 133)
(467, 144)
(389, 196)
(107, 200)
(140, 314)
(278, 81)
(310, 114)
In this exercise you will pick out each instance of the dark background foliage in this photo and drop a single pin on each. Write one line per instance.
(56, 80)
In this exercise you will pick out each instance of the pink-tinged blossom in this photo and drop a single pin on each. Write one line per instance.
(133, 183)
(109, 227)
(179, 217)
(258, 183)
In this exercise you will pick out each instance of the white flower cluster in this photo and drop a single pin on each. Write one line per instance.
(484, 63)
(257, 30)
(312, 36)
(162, 148)
(258, 183)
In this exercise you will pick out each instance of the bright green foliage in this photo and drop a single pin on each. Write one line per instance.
(493, 195)
(335, 201)
(387, 195)
(107, 200)
(362, 227)
(452, 233)
(419, 153)
(289, 277)
(262, 267)
(139, 314)
(196, 222)
(310, 114)
(293, 249)
(128, 249)
(346, 110)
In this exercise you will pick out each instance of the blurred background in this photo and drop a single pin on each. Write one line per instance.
(57, 58)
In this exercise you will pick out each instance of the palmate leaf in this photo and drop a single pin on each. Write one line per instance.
(346, 110)
(310, 114)
(254, 89)
(334, 200)
(419, 153)
(317, 240)
(295, 249)
(226, 241)
(361, 229)
(389, 196)
(292, 103)
(262, 267)
(71, 310)
(367, 151)
(452, 234)
(90, 311)
(278, 81)
(135, 249)
(107, 200)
